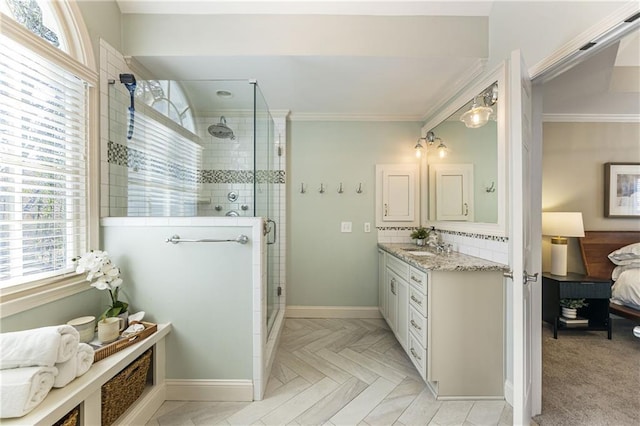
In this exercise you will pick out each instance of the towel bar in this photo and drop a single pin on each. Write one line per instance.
(175, 239)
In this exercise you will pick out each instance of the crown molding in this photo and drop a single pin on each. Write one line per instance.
(313, 116)
(591, 118)
(455, 88)
(551, 65)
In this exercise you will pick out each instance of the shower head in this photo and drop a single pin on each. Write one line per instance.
(221, 130)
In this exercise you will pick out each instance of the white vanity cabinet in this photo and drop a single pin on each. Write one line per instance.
(451, 324)
(382, 291)
(397, 291)
(418, 319)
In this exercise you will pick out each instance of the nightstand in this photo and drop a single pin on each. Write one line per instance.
(596, 291)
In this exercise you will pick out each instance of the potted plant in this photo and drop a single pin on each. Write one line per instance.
(570, 307)
(420, 235)
(98, 267)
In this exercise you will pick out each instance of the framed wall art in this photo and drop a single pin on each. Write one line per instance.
(622, 190)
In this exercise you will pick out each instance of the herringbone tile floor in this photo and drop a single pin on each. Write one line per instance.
(338, 372)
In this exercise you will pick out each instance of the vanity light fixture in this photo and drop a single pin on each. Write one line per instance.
(442, 149)
(430, 140)
(479, 115)
(419, 148)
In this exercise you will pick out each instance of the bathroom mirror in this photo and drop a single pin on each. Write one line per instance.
(464, 189)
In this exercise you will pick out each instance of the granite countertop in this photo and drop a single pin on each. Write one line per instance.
(440, 261)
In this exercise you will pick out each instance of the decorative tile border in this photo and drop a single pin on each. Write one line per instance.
(476, 236)
(395, 228)
(137, 160)
(241, 176)
(443, 231)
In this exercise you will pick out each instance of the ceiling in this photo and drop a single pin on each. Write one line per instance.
(392, 60)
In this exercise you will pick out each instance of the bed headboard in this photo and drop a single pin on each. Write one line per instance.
(596, 245)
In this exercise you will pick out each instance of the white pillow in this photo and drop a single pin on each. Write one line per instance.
(626, 290)
(626, 255)
(615, 274)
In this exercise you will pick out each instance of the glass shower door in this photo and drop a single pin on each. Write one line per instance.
(267, 198)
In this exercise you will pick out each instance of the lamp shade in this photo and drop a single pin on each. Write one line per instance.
(562, 224)
(476, 117)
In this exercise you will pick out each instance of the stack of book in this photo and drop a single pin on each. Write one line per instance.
(574, 322)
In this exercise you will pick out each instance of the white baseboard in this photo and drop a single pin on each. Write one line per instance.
(508, 392)
(209, 390)
(144, 408)
(333, 312)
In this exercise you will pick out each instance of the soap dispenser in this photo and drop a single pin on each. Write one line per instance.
(434, 237)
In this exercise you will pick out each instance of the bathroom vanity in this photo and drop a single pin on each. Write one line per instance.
(447, 312)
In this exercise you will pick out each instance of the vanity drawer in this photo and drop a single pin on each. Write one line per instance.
(418, 326)
(398, 266)
(418, 279)
(418, 300)
(418, 356)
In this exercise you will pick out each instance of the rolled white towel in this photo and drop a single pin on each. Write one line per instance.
(23, 389)
(66, 372)
(85, 359)
(43, 346)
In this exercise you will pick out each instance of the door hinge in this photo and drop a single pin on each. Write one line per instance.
(279, 291)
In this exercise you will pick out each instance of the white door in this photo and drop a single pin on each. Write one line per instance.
(520, 242)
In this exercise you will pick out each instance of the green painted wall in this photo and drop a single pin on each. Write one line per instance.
(327, 267)
(90, 302)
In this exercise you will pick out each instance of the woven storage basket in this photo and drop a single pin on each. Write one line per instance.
(120, 392)
(70, 419)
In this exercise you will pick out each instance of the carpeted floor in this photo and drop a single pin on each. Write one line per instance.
(589, 380)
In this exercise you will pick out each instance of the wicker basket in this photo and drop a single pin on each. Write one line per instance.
(70, 419)
(120, 392)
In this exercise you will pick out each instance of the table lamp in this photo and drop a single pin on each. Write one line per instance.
(559, 226)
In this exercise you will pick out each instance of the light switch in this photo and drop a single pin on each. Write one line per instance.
(367, 227)
(345, 227)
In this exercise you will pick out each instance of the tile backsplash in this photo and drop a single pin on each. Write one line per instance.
(487, 247)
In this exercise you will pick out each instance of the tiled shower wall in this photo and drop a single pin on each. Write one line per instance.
(227, 166)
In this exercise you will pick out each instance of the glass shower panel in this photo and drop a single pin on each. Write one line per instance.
(153, 161)
(267, 196)
(223, 112)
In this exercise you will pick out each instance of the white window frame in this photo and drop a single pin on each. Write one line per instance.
(19, 298)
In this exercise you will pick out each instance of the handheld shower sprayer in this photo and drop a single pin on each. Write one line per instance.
(129, 82)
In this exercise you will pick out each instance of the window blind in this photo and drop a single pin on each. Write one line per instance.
(43, 197)
(162, 169)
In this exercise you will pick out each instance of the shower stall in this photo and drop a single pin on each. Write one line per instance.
(201, 152)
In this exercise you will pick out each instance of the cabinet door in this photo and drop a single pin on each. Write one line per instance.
(454, 192)
(382, 294)
(402, 332)
(397, 193)
(392, 299)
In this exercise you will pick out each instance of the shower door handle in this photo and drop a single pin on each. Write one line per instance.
(275, 232)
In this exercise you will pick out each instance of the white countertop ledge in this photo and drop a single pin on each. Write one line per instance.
(440, 261)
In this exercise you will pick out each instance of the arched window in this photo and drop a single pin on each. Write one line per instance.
(38, 17)
(47, 145)
(168, 98)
